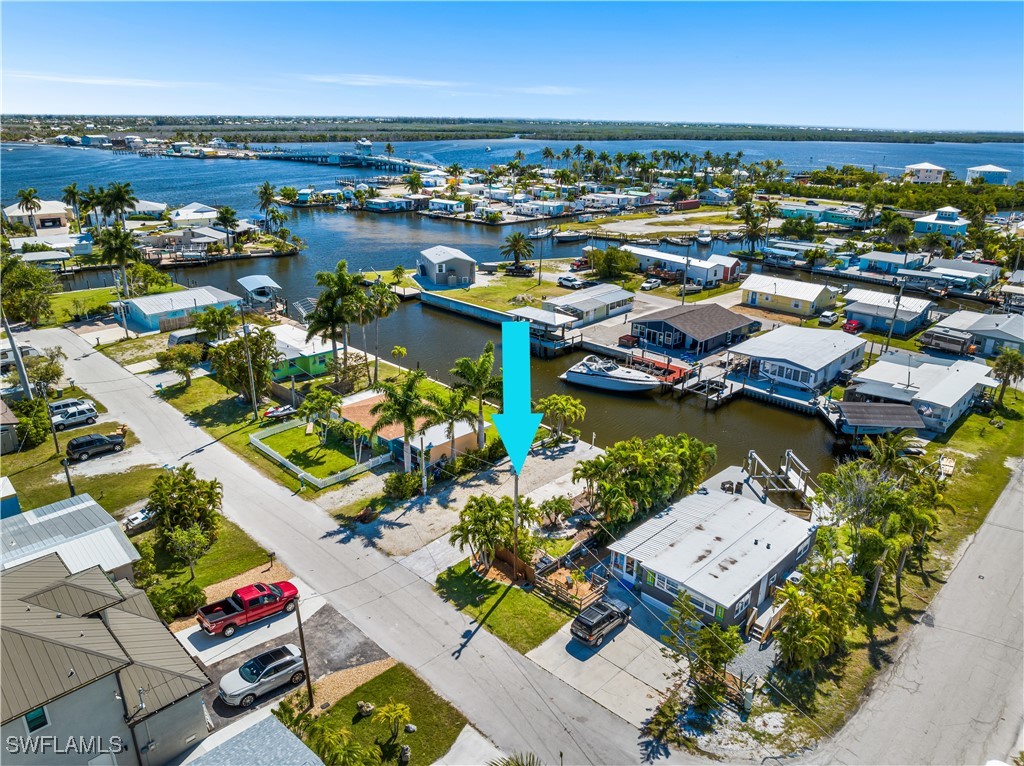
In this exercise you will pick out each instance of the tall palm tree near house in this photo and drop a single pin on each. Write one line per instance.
(276, 218)
(455, 170)
(478, 378)
(389, 150)
(519, 156)
(119, 249)
(484, 525)
(227, 219)
(867, 213)
(933, 242)
(755, 227)
(414, 182)
(547, 154)
(28, 203)
(266, 196)
(362, 315)
(770, 210)
(1008, 369)
(73, 199)
(333, 311)
(517, 247)
(90, 202)
(383, 303)
(401, 405)
(120, 199)
(450, 409)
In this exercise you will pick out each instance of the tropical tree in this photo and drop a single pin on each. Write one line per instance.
(255, 353)
(333, 311)
(179, 498)
(320, 406)
(276, 218)
(478, 378)
(73, 198)
(188, 545)
(484, 526)
(26, 290)
(266, 196)
(119, 249)
(517, 247)
(455, 171)
(389, 149)
(289, 193)
(802, 638)
(28, 203)
(383, 303)
(414, 182)
(402, 405)
(755, 227)
(898, 231)
(397, 275)
(518, 759)
(561, 410)
(215, 322)
(889, 452)
(359, 436)
(1008, 369)
(449, 409)
(393, 717)
(227, 220)
(181, 360)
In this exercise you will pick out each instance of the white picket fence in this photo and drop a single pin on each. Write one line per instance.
(255, 439)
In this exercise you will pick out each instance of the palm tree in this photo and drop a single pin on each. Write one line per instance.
(1008, 369)
(414, 182)
(561, 410)
(119, 249)
(275, 218)
(401, 405)
(867, 213)
(455, 171)
(517, 247)
(449, 410)
(889, 452)
(215, 321)
(28, 202)
(383, 303)
(333, 310)
(266, 195)
(227, 220)
(389, 149)
(484, 525)
(517, 759)
(393, 716)
(73, 198)
(547, 155)
(90, 200)
(120, 198)
(478, 378)
(755, 227)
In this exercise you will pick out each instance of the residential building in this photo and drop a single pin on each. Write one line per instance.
(991, 332)
(591, 304)
(79, 529)
(388, 205)
(990, 174)
(787, 295)
(800, 357)
(9, 441)
(877, 311)
(732, 267)
(725, 551)
(699, 272)
(946, 221)
(52, 218)
(450, 206)
(940, 389)
(924, 173)
(76, 244)
(86, 659)
(300, 358)
(715, 197)
(849, 216)
(267, 743)
(193, 214)
(889, 263)
(696, 329)
(170, 311)
(447, 266)
(96, 139)
(974, 273)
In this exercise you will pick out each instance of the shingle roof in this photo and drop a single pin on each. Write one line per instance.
(699, 322)
(787, 288)
(879, 415)
(197, 297)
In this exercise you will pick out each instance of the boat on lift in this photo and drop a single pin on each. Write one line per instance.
(605, 374)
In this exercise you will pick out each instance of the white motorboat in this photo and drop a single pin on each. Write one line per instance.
(646, 242)
(540, 233)
(564, 237)
(606, 374)
(704, 237)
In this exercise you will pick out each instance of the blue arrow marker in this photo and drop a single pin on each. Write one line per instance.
(516, 424)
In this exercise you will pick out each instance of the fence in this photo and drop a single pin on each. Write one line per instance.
(565, 594)
(316, 481)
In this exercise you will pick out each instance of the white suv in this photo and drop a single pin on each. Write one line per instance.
(75, 416)
(67, 404)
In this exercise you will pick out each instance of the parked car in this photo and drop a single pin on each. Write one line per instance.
(84, 447)
(74, 416)
(812, 203)
(246, 605)
(664, 210)
(852, 326)
(263, 673)
(828, 317)
(186, 335)
(580, 263)
(573, 283)
(597, 621)
(66, 404)
(650, 284)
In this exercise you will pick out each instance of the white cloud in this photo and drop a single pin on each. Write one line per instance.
(106, 82)
(547, 90)
(379, 81)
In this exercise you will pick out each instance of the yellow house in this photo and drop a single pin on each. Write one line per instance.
(787, 296)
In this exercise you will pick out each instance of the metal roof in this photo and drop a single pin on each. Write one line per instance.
(443, 254)
(591, 298)
(931, 380)
(540, 316)
(883, 257)
(44, 256)
(267, 743)
(869, 309)
(79, 529)
(256, 281)
(879, 415)
(787, 288)
(196, 297)
(803, 347)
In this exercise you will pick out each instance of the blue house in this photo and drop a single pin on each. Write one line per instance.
(889, 263)
(715, 196)
(946, 221)
(165, 311)
(876, 311)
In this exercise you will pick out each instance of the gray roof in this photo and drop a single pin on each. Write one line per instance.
(867, 309)
(591, 298)
(876, 298)
(267, 743)
(45, 256)
(882, 257)
(803, 347)
(443, 254)
(879, 415)
(197, 297)
(256, 281)
(699, 322)
(63, 631)
(1001, 326)
(79, 529)
(540, 316)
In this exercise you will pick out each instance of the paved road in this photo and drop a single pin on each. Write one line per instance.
(519, 705)
(954, 695)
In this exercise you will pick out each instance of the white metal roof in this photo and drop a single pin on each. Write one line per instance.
(932, 380)
(196, 297)
(591, 297)
(46, 207)
(695, 263)
(291, 342)
(883, 257)
(924, 166)
(803, 347)
(443, 253)
(989, 169)
(540, 316)
(787, 288)
(256, 281)
(875, 298)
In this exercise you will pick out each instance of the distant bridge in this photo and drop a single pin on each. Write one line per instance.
(347, 160)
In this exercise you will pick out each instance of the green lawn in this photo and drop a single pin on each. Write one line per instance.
(349, 511)
(520, 619)
(503, 289)
(63, 304)
(307, 453)
(233, 553)
(555, 547)
(437, 722)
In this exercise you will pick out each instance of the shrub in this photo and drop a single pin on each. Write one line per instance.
(33, 422)
(145, 568)
(178, 601)
(401, 486)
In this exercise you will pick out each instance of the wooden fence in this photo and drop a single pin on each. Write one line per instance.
(562, 592)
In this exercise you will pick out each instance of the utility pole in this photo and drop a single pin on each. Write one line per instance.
(18, 361)
(120, 303)
(248, 361)
(895, 311)
(423, 468)
(515, 526)
(305, 657)
(686, 271)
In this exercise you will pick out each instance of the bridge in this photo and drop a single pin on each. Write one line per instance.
(347, 160)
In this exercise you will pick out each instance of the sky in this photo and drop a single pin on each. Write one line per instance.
(924, 66)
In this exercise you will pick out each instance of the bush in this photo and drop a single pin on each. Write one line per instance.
(145, 568)
(180, 601)
(33, 422)
(401, 486)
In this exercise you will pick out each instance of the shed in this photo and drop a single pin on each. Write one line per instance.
(443, 265)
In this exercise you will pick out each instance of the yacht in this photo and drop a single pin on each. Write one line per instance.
(540, 233)
(570, 236)
(606, 374)
(704, 237)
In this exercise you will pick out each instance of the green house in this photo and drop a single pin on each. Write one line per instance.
(299, 357)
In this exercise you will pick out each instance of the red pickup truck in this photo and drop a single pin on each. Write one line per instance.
(246, 605)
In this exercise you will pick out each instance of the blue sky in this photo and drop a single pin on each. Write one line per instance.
(871, 64)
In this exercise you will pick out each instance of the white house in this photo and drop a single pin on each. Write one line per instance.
(992, 332)
(699, 272)
(450, 206)
(990, 174)
(444, 265)
(52, 217)
(591, 304)
(924, 173)
(193, 214)
(801, 357)
(715, 197)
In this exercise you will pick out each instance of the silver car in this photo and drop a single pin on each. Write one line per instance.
(263, 673)
(74, 416)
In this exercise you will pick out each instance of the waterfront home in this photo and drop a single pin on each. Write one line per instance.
(542, 207)
(193, 214)
(388, 204)
(592, 304)
(142, 208)
(947, 221)
(715, 196)
(86, 660)
(608, 199)
(849, 216)
(96, 139)
(299, 357)
(877, 311)
(788, 296)
(940, 389)
(990, 174)
(800, 357)
(51, 218)
(924, 173)
(304, 195)
(699, 272)
(695, 329)
(991, 332)
(725, 551)
(498, 194)
(267, 743)
(76, 244)
(448, 266)
(218, 143)
(450, 206)
(974, 273)
(731, 267)
(889, 263)
(171, 311)
(434, 179)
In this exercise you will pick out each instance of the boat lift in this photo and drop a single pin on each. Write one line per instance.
(793, 478)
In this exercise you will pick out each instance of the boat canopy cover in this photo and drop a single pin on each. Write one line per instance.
(539, 316)
(256, 281)
(879, 415)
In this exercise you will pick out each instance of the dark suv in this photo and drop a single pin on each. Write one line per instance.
(597, 621)
(84, 447)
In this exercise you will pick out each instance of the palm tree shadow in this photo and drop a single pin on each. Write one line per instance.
(370, 533)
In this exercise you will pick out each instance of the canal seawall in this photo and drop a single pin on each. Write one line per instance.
(471, 310)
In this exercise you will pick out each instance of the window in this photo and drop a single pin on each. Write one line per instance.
(440, 268)
(803, 548)
(796, 304)
(772, 579)
(741, 605)
(36, 719)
